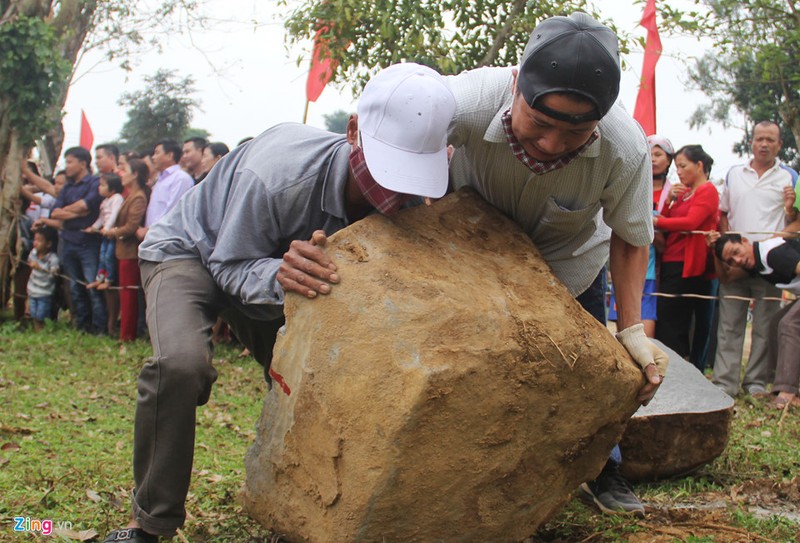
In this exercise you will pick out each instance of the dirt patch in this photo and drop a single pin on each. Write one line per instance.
(703, 517)
(668, 526)
(709, 515)
(767, 493)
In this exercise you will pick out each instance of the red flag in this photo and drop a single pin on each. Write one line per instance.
(322, 66)
(645, 110)
(87, 138)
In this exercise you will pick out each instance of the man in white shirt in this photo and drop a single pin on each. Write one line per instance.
(172, 183)
(755, 199)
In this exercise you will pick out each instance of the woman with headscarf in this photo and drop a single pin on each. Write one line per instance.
(661, 153)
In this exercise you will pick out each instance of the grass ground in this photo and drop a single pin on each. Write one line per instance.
(66, 419)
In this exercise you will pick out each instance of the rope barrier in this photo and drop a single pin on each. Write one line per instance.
(68, 278)
(767, 233)
(16, 262)
(656, 294)
(709, 297)
(728, 297)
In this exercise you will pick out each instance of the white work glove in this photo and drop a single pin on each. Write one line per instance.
(642, 350)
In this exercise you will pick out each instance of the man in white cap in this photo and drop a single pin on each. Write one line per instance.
(548, 145)
(252, 231)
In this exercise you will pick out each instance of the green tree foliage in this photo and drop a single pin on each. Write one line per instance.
(163, 109)
(41, 43)
(448, 35)
(736, 86)
(337, 121)
(31, 68)
(755, 68)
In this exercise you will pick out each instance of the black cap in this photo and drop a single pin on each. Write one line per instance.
(574, 54)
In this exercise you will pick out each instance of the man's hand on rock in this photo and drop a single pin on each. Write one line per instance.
(652, 360)
(306, 269)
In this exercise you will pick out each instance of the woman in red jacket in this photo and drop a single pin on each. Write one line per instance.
(131, 216)
(692, 204)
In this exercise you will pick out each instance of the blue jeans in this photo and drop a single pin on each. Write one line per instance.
(593, 300)
(107, 267)
(79, 262)
(40, 307)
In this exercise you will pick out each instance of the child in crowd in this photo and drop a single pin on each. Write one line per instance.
(38, 198)
(110, 188)
(40, 192)
(42, 282)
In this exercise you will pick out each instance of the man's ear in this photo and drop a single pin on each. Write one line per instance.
(352, 129)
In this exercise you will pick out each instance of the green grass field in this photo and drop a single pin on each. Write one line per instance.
(66, 420)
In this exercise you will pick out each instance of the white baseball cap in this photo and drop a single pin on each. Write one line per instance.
(403, 115)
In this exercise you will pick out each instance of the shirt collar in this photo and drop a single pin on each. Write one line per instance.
(85, 178)
(777, 164)
(540, 167)
(169, 171)
(759, 267)
(495, 133)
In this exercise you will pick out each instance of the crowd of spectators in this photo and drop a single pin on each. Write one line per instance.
(81, 231)
(691, 302)
(209, 256)
(86, 224)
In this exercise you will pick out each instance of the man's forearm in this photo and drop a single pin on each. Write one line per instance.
(63, 214)
(41, 183)
(792, 228)
(79, 208)
(628, 269)
(723, 223)
(51, 222)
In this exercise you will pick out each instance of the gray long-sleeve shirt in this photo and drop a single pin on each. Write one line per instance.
(279, 187)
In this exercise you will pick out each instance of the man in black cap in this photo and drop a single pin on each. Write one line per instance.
(548, 145)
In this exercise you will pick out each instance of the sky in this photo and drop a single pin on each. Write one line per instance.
(247, 81)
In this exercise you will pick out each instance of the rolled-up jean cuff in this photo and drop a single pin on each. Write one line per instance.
(155, 526)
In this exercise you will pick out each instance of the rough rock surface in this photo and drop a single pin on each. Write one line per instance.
(449, 389)
(684, 427)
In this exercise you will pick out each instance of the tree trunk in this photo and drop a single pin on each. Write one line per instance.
(502, 35)
(73, 22)
(11, 153)
(10, 156)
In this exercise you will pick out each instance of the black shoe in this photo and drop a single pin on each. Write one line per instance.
(130, 535)
(612, 493)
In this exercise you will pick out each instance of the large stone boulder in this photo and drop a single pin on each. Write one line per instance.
(684, 427)
(449, 389)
